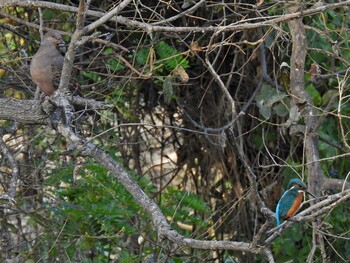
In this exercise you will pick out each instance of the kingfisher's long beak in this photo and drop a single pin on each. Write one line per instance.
(306, 191)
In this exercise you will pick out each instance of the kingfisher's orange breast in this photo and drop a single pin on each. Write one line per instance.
(294, 208)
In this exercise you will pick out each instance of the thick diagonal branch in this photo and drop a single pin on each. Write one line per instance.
(159, 221)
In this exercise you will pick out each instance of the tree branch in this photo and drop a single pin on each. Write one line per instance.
(158, 219)
(305, 105)
(312, 212)
(11, 192)
(23, 111)
(243, 25)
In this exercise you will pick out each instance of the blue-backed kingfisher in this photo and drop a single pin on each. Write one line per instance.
(291, 200)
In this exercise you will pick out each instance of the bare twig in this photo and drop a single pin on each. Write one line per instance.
(158, 219)
(311, 213)
(242, 25)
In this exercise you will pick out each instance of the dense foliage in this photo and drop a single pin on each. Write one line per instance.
(168, 129)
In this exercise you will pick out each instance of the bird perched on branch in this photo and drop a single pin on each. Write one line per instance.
(291, 200)
(47, 63)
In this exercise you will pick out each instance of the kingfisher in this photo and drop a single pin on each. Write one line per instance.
(291, 200)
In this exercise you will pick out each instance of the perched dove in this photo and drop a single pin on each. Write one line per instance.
(47, 63)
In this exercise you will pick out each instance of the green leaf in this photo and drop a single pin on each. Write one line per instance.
(328, 95)
(274, 98)
(115, 64)
(91, 75)
(267, 98)
(108, 51)
(315, 95)
(265, 112)
(142, 56)
(280, 109)
(170, 57)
